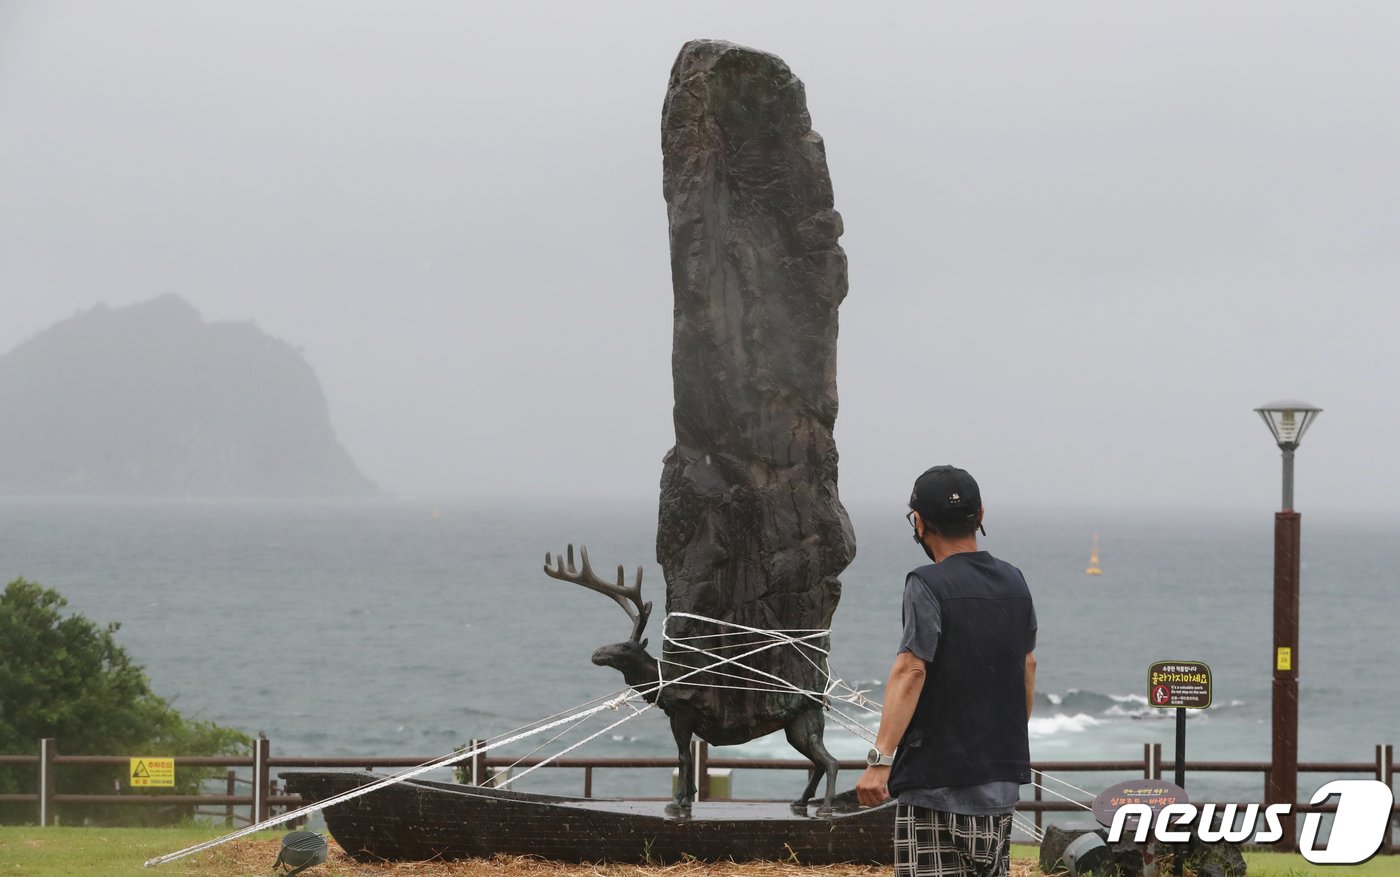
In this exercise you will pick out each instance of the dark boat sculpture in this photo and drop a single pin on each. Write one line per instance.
(418, 820)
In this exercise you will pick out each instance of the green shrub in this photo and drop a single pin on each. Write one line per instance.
(67, 678)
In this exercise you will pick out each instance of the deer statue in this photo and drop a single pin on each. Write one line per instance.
(803, 730)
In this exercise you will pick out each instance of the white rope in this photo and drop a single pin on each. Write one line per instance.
(1042, 787)
(514, 764)
(766, 640)
(1028, 827)
(635, 712)
(855, 698)
(1065, 783)
(773, 639)
(772, 682)
(777, 638)
(568, 712)
(446, 761)
(780, 640)
(852, 725)
(723, 675)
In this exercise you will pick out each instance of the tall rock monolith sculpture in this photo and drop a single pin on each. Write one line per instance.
(751, 528)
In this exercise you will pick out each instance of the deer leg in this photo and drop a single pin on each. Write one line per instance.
(813, 777)
(799, 738)
(683, 730)
(804, 733)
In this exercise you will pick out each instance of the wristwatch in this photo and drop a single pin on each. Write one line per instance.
(875, 758)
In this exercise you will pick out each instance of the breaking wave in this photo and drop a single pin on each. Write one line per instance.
(1061, 724)
(1076, 703)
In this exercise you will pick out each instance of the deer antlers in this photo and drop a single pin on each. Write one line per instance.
(629, 598)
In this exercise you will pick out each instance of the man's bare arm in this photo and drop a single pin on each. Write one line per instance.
(902, 691)
(1030, 683)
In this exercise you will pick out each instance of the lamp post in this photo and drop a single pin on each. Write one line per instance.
(1287, 420)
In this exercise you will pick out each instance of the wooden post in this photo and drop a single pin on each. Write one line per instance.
(1390, 781)
(702, 769)
(261, 778)
(1283, 778)
(1152, 758)
(48, 748)
(1039, 796)
(230, 790)
(1385, 768)
(478, 762)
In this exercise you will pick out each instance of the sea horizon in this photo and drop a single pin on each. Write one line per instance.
(406, 626)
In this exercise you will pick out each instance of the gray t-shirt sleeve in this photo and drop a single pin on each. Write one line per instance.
(923, 620)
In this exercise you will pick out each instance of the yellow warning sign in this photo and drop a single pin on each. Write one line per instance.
(1285, 658)
(152, 772)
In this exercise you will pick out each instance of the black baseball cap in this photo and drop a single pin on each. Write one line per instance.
(946, 493)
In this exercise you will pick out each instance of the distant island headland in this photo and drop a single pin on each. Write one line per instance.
(151, 400)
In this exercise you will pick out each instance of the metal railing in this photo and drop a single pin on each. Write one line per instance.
(264, 796)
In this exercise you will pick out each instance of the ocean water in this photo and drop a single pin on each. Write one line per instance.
(405, 627)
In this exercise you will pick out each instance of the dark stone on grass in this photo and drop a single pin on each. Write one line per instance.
(1206, 860)
(1052, 847)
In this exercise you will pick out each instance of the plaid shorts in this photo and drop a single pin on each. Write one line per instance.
(932, 843)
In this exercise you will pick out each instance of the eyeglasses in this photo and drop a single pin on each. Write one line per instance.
(910, 518)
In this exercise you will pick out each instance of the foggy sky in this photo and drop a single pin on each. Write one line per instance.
(1085, 239)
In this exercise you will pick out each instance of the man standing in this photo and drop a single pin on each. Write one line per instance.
(952, 746)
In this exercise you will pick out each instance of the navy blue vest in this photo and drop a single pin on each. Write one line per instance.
(970, 723)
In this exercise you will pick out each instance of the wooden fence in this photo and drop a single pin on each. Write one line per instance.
(264, 798)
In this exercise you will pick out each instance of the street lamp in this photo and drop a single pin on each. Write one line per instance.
(1287, 420)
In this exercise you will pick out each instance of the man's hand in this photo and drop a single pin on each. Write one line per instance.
(873, 786)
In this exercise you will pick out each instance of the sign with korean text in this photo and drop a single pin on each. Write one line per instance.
(150, 772)
(1154, 794)
(1178, 685)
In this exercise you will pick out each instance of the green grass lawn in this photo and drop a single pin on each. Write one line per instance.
(103, 852)
(122, 852)
(1263, 864)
